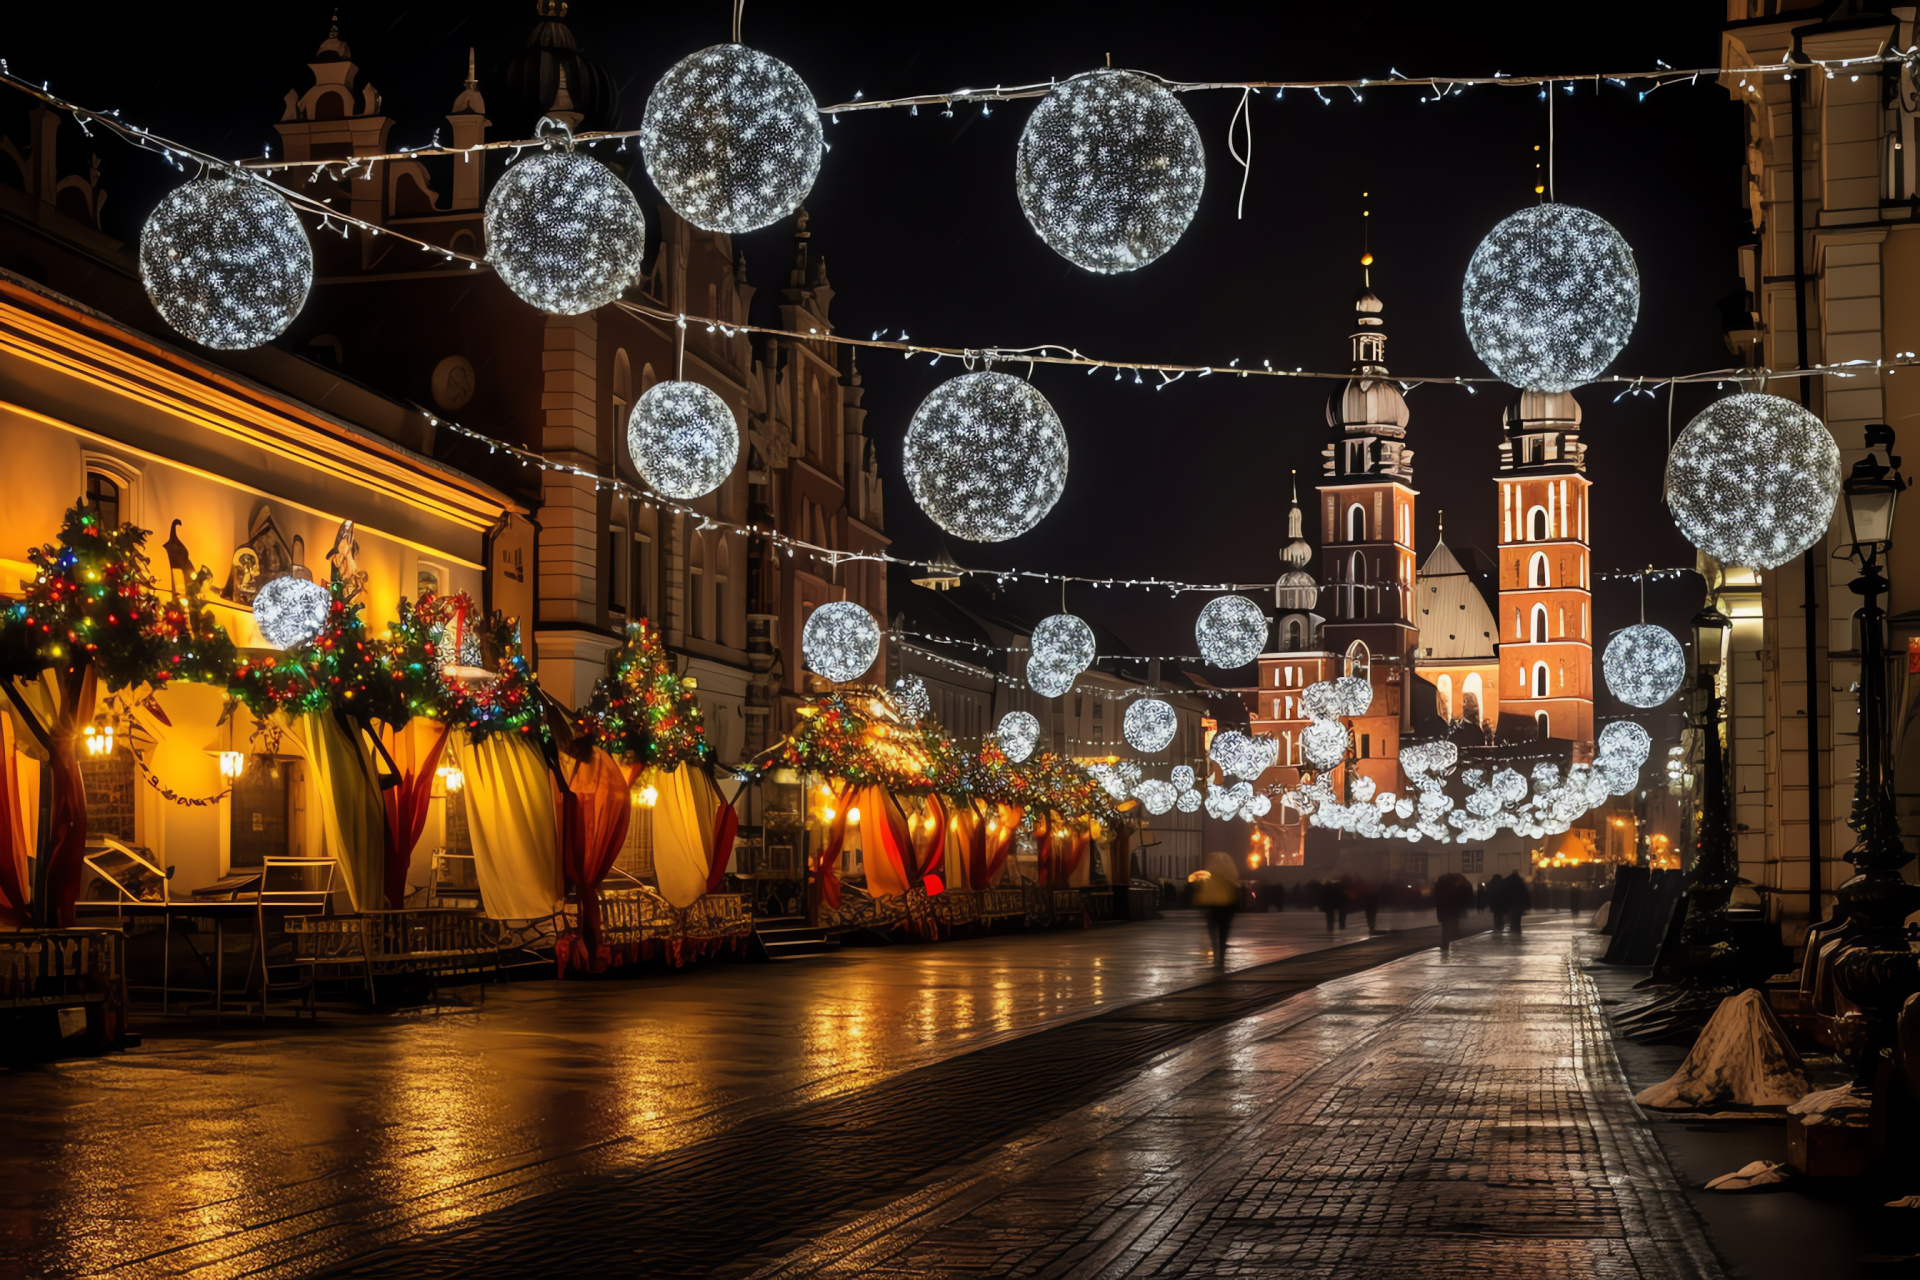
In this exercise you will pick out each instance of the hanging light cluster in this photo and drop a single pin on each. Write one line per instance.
(840, 641)
(985, 456)
(1753, 480)
(911, 699)
(289, 611)
(1155, 795)
(732, 138)
(1110, 170)
(1062, 648)
(564, 232)
(683, 439)
(226, 262)
(1231, 631)
(1119, 778)
(1550, 298)
(1149, 726)
(1242, 756)
(1643, 665)
(1018, 735)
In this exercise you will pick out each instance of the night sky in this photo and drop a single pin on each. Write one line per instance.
(922, 231)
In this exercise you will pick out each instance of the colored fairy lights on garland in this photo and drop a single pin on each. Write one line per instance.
(645, 712)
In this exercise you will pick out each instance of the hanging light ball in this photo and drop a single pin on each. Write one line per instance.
(732, 138)
(1063, 641)
(985, 456)
(1644, 665)
(1753, 479)
(1241, 756)
(226, 262)
(1550, 298)
(1149, 725)
(1324, 743)
(1018, 734)
(1110, 170)
(1231, 631)
(840, 641)
(564, 233)
(1155, 795)
(683, 438)
(1188, 801)
(1181, 775)
(911, 699)
(1353, 695)
(290, 611)
(1048, 680)
(1624, 740)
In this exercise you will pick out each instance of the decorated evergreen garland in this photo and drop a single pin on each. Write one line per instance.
(644, 712)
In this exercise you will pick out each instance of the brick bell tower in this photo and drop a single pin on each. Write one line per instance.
(1366, 544)
(1546, 593)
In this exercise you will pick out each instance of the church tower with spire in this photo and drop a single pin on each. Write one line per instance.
(1546, 593)
(1299, 659)
(1366, 542)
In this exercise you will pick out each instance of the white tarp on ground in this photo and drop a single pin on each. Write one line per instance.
(1742, 1058)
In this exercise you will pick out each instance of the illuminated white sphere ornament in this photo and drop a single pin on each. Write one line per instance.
(1231, 631)
(564, 232)
(1019, 734)
(1550, 298)
(1753, 479)
(1048, 680)
(1063, 641)
(683, 438)
(1644, 665)
(226, 262)
(1625, 740)
(290, 611)
(1110, 170)
(985, 456)
(1149, 725)
(1155, 795)
(1324, 743)
(732, 138)
(840, 641)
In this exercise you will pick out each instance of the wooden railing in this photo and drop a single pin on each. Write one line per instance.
(61, 966)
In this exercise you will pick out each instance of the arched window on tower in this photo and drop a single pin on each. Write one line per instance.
(1443, 696)
(1542, 681)
(1539, 624)
(1544, 724)
(1296, 635)
(1470, 698)
(1537, 525)
(1356, 523)
(1537, 570)
(1518, 634)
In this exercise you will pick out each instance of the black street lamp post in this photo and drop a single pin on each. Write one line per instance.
(1711, 960)
(1876, 969)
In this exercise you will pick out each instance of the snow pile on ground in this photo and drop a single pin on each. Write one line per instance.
(1742, 1058)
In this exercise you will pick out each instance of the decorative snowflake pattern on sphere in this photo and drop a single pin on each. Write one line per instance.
(985, 456)
(1242, 756)
(683, 438)
(1644, 665)
(1324, 743)
(1064, 641)
(1231, 631)
(1551, 296)
(226, 262)
(1110, 170)
(1624, 740)
(732, 138)
(290, 611)
(1149, 725)
(840, 641)
(1753, 479)
(1189, 801)
(1048, 680)
(1352, 695)
(1018, 735)
(564, 233)
(911, 699)
(1155, 795)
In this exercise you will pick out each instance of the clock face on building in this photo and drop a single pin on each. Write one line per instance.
(452, 383)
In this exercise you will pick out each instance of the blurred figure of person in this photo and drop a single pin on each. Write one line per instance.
(1219, 895)
(1497, 902)
(1370, 904)
(1576, 898)
(1518, 898)
(1452, 897)
(1333, 902)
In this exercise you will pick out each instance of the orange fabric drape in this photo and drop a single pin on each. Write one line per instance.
(14, 840)
(416, 752)
(1000, 840)
(1043, 847)
(1073, 858)
(826, 864)
(930, 836)
(883, 836)
(594, 812)
(973, 841)
(67, 848)
(726, 825)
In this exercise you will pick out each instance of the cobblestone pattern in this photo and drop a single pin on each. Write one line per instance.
(1430, 1118)
(760, 1189)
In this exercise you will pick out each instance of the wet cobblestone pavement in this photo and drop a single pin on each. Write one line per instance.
(1372, 1109)
(282, 1148)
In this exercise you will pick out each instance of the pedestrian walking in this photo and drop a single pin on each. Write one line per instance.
(1452, 896)
(1370, 904)
(1518, 899)
(1497, 902)
(1331, 903)
(1218, 894)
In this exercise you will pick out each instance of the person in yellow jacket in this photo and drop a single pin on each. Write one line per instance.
(1216, 890)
